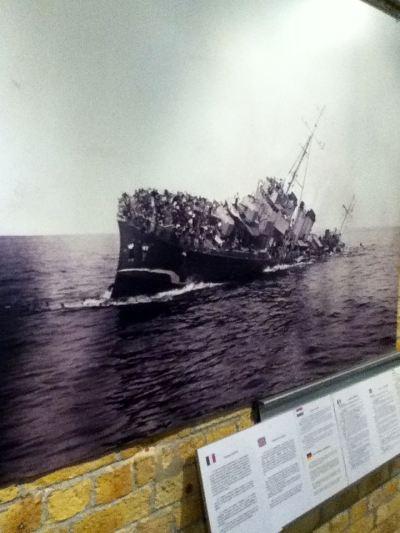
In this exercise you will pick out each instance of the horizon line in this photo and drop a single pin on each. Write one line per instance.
(66, 234)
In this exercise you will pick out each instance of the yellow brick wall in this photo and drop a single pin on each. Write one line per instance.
(153, 487)
(148, 487)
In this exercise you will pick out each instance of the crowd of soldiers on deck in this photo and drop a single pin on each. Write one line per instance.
(187, 219)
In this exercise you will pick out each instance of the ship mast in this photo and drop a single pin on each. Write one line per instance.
(293, 172)
(348, 211)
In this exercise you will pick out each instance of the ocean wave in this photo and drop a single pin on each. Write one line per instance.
(279, 268)
(106, 301)
(357, 251)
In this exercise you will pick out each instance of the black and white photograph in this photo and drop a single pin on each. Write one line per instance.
(199, 208)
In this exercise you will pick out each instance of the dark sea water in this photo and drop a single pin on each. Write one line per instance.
(81, 374)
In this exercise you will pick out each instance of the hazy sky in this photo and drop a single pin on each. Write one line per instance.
(100, 97)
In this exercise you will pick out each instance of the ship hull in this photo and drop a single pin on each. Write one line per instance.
(149, 263)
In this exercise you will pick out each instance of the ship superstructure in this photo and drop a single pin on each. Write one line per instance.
(167, 238)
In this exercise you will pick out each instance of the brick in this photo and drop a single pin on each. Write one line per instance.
(191, 482)
(376, 498)
(187, 450)
(165, 438)
(113, 485)
(390, 525)
(394, 505)
(127, 453)
(128, 529)
(169, 462)
(184, 433)
(167, 456)
(358, 510)
(55, 529)
(215, 421)
(244, 411)
(340, 522)
(168, 491)
(175, 488)
(63, 504)
(383, 494)
(245, 420)
(71, 472)
(220, 432)
(388, 509)
(23, 516)
(189, 511)
(382, 513)
(364, 525)
(168, 438)
(157, 524)
(8, 494)
(145, 469)
(114, 517)
(390, 488)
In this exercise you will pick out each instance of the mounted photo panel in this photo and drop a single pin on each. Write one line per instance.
(199, 207)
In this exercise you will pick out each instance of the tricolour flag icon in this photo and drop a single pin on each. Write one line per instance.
(211, 459)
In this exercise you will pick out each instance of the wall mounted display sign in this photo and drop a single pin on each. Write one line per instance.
(199, 206)
(265, 477)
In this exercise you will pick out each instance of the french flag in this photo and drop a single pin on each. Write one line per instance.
(211, 459)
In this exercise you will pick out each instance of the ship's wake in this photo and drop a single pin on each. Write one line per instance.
(285, 266)
(106, 301)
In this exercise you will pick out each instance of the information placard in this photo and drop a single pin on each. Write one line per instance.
(384, 403)
(232, 487)
(255, 479)
(278, 461)
(356, 430)
(321, 448)
(274, 471)
(263, 478)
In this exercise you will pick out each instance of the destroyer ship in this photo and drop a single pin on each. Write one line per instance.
(168, 239)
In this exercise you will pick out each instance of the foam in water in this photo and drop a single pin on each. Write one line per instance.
(279, 268)
(106, 301)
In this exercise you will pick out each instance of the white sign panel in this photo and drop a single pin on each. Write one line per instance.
(278, 459)
(356, 430)
(384, 404)
(263, 478)
(321, 448)
(232, 486)
(274, 472)
(255, 480)
(396, 379)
